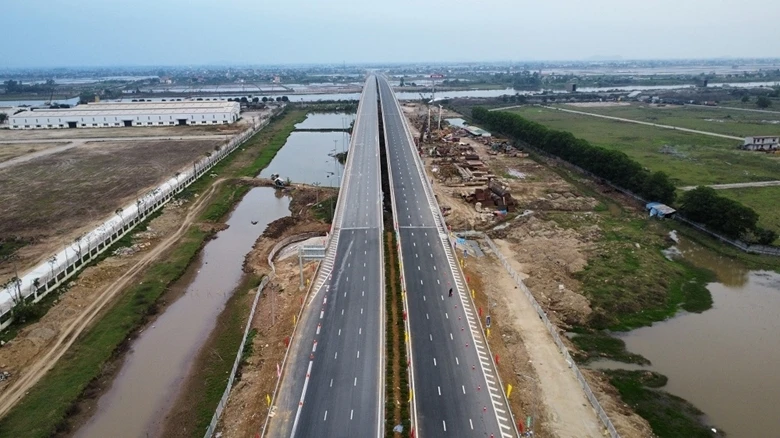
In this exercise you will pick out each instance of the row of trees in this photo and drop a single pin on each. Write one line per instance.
(257, 99)
(614, 166)
(703, 204)
(12, 86)
(723, 215)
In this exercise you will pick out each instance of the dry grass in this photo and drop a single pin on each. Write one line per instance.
(47, 199)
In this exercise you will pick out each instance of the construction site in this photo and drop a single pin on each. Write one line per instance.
(547, 227)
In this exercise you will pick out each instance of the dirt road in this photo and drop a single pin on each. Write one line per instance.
(141, 138)
(620, 119)
(736, 185)
(569, 413)
(68, 336)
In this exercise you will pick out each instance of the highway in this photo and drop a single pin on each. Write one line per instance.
(456, 391)
(333, 383)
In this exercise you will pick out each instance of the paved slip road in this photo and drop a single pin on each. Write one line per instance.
(334, 378)
(456, 391)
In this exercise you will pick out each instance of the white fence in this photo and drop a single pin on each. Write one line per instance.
(225, 395)
(59, 267)
(553, 332)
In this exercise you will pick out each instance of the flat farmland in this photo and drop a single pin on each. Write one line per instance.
(48, 200)
(13, 150)
(711, 119)
(688, 158)
(136, 131)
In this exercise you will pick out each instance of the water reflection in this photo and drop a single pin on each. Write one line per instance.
(728, 272)
(721, 360)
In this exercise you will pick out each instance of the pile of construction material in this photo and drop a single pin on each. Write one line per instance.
(496, 198)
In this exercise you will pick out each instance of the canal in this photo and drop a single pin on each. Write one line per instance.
(159, 359)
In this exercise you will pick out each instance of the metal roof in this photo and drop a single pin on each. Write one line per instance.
(187, 105)
(134, 109)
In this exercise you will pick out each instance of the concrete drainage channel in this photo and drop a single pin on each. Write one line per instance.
(59, 267)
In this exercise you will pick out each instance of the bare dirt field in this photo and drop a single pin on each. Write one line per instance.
(13, 150)
(48, 200)
(140, 131)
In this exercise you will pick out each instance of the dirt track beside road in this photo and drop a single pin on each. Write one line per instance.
(68, 329)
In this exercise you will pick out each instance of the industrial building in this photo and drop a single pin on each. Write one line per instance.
(110, 115)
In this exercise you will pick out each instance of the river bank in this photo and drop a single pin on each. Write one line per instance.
(55, 397)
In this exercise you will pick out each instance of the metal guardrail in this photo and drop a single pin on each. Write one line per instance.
(553, 330)
(223, 401)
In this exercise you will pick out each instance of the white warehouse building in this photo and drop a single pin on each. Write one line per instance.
(110, 115)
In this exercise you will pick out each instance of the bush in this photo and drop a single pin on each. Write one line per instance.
(723, 215)
(763, 102)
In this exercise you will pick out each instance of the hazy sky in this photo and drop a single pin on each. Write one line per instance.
(170, 32)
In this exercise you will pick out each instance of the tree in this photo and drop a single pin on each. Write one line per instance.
(244, 99)
(285, 99)
(763, 102)
(77, 241)
(745, 99)
(278, 99)
(52, 261)
(265, 99)
(36, 284)
(255, 99)
(3, 117)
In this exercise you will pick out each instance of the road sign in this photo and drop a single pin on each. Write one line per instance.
(487, 321)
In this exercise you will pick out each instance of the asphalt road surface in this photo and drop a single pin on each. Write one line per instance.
(334, 379)
(456, 392)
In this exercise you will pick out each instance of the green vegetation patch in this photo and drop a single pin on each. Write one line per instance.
(709, 119)
(764, 200)
(325, 209)
(668, 415)
(217, 360)
(597, 345)
(688, 159)
(43, 411)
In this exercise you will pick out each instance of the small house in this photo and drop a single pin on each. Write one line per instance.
(764, 143)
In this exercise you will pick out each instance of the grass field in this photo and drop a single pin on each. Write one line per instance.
(764, 200)
(710, 119)
(46, 200)
(689, 159)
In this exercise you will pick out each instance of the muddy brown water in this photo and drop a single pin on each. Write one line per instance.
(307, 158)
(149, 381)
(723, 360)
(326, 121)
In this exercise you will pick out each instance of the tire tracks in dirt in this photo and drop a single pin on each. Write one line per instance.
(39, 368)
